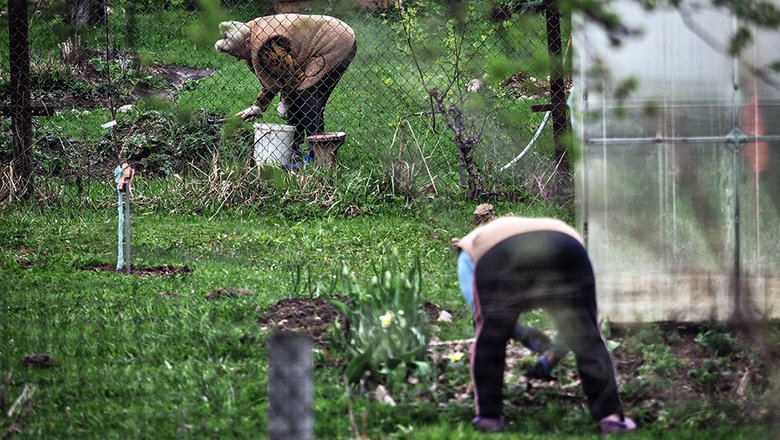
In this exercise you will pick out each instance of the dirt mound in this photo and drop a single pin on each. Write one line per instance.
(315, 317)
(483, 214)
(165, 270)
(433, 311)
(311, 316)
(41, 360)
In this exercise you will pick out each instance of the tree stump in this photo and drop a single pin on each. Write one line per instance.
(325, 146)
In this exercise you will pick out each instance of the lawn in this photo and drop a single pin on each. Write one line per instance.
(161, 356)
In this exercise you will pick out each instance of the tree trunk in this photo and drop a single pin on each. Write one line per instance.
(90, 12)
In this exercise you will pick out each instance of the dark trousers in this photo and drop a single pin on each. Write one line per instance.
(547, 270)
(306, 108)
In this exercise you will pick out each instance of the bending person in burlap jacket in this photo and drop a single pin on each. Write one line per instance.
(301, 57)
(517, 264)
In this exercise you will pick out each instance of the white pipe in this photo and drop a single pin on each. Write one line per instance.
(530, 144)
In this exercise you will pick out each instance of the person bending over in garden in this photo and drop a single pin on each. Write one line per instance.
(521, 264)
(532, 338)
(300, 57)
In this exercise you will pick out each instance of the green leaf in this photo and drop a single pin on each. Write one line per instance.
(423, 368)
(340, 306)
(357, 366)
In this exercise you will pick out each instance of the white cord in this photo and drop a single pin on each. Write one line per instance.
(530, 144)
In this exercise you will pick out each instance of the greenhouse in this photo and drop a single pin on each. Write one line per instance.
(678, 186)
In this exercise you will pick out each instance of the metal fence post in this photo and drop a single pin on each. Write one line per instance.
(290, 387)
(127, 225)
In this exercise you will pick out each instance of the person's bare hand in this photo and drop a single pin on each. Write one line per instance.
(249, 113)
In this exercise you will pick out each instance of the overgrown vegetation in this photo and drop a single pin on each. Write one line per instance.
(696, 375)
(89, 72)
(464, 76)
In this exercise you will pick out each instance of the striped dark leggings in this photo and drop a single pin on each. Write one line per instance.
(551, 271)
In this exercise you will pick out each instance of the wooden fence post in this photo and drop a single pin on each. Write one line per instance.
(557, 83)
(19, 50)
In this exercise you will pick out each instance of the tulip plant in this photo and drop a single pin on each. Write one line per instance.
(387, 331)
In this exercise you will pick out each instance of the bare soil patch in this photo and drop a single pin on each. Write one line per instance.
(315, 316)
(310, 316)
(177, 76)
(56, 90)
(40, 360)
(165, 270)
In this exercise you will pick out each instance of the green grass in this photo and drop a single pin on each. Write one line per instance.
(131, 363)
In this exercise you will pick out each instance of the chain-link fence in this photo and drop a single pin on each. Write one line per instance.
(438, 95)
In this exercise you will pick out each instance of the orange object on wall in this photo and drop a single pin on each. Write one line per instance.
(752, 124)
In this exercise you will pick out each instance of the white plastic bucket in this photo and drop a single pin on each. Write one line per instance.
(273, 143)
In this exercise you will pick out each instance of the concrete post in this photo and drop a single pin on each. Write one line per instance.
(290, 387)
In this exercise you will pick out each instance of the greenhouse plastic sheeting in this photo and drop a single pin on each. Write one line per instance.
(678, 183)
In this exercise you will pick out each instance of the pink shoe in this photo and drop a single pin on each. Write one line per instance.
(610, 426)
(488, 424)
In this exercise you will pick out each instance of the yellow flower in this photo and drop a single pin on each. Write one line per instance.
(455, 357)
(387, 319)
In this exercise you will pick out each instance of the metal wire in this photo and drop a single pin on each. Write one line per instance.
(133, 60)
